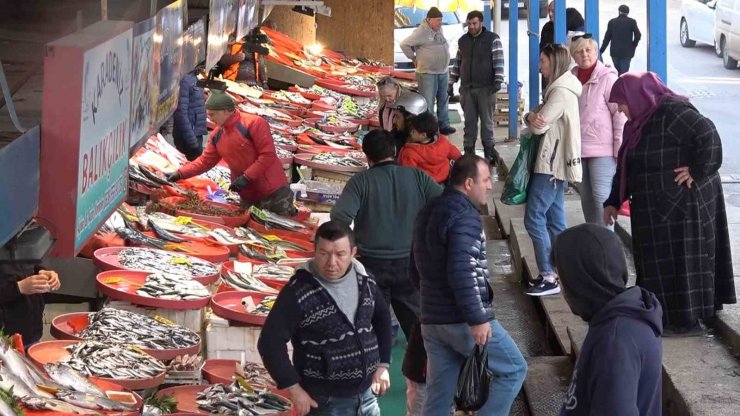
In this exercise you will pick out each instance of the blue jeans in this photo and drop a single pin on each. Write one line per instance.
(598, 173)
(544, 217)
(363, 404)
(622, 65)
(447, 348)
(433, 86)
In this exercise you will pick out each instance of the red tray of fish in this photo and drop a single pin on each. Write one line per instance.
(343, 88)
(46, 352)
(307, 95)
(305, 234)
(323, 105)
(203, 249)
(123, 284)
(305, 159)
(231, 221)
(228, 305)
(410, 76)
(103, 385)
(68, 325)
(107, 259)
(290, 148)
(273, 283)
(186, 397)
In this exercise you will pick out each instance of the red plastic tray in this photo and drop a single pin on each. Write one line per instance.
(339, 129)
(305, 160)
(107, 259)
(273, 283)
(306, 95)
(66, 327)
(287, 147)
(105, 386)
(322, 105)
(130, 281)
(410, 76)
(201, 248)
(235, 221)
(343, 88)
(186, 397)
(46, 352)
(219, 370)
(229, 305)
(305, 234)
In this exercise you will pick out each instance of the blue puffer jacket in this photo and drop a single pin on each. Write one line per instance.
(189, 119)
(448, 262)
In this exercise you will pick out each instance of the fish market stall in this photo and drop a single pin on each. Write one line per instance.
(153, 260)
(157, 290)
(228, 399)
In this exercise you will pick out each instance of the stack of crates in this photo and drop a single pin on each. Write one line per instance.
(501, 113)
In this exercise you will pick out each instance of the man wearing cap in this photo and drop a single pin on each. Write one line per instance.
(430, 52)
(245, 143)
(624, 36)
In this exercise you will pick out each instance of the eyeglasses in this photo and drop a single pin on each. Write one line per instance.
(583, 36)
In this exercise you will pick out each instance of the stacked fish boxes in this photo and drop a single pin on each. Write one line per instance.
(226, 340)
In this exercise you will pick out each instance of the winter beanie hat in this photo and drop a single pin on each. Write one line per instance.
(219, 101)
(434, 13)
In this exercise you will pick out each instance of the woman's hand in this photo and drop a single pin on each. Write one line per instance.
(52, 278)
(536, 120)
(33, 285)
(610, 215)
(683, 176)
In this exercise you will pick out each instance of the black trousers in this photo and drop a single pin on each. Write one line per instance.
(622, 65)
(392, 277)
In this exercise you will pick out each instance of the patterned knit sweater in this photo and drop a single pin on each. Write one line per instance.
(331, 355)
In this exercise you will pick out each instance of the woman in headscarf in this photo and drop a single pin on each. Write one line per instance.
(668, 169)
(601, 127)
(558, 161)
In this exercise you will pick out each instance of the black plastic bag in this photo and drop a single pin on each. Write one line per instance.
(474, 381)
(517, 181)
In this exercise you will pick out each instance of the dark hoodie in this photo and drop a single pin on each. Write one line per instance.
(618, 371)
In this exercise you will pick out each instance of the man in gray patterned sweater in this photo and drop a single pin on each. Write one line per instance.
(335, 317)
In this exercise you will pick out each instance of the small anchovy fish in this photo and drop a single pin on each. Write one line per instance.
(163, 234)
(92, 358)
(164, 286)
(123, 327)
(137, 237)
(273, 271)
(263, 308)
(338, 160)
(233, 399)
(159, 261)
(246, 282)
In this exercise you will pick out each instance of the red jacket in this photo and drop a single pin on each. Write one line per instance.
(245, 143)
(433, 158)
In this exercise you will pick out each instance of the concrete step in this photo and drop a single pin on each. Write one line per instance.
(547, 384)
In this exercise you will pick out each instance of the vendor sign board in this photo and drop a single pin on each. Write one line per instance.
(144, 82)
(85, 131)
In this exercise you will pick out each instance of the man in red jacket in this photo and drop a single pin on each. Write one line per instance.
(245, 143)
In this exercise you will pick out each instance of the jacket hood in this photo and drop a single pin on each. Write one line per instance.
(567, 81)
(591, 266)
(600, 71)
(636, 303)
(432, 152)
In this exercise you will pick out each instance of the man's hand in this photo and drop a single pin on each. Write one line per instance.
(302, 402)
(683, 176)
(239, 183)
(481, 333)
(33, 285)
(381, 381)
(52, 278)
(610, 215)
(173, 177)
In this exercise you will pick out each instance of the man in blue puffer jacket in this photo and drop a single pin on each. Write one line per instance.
(449, 265)
(189, 120)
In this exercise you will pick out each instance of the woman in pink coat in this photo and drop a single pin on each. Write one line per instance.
(601, 127)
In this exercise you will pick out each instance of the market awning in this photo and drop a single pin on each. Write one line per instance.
(443, 5)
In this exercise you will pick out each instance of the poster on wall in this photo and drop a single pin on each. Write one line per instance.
(252, 11)
(168, 50)
(247, 19)
(231, 17)
(104, 132)
(217, 34)
(144, 83)
(193, 47)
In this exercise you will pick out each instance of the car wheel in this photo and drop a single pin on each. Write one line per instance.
(728, 62)
(686, 42)
(717, 50)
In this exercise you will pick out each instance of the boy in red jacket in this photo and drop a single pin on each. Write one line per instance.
(428, 150)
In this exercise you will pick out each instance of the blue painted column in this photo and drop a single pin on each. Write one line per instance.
(534, 55)
(487, 16)
(513, 69)
(657, 52)
(592, 19)
(560, 21)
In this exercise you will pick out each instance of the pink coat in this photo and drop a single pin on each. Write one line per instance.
(601, 123)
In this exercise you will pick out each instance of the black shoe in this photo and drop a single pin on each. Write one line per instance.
(536, 281)
(544, 288)
(455, 99)
(447, 130)
(491, 155)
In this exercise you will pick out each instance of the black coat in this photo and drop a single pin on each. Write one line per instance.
(679, 235)
(19, 313)
(449, 262)
(624, 36)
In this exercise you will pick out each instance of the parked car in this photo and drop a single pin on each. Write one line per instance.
(697, 22)
(727, 32)
(407, 19)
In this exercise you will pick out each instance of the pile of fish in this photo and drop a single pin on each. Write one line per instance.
(257, 374)
(219, 174)
(157, 261)
(167, 286)
(72, 393)
(177, 225)
(274, 220)
(338, 159)
(169, 242)
(273, 271)
(281, 139)
(226, 237)
(233, 399)
(140, 173)
(263, 308)
(283, 154)
(123, 327)
(185, 363)
(92, 358)
(246, 281)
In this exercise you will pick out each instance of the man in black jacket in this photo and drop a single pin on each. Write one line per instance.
(624, 36)
(334, 315)
(449, 266)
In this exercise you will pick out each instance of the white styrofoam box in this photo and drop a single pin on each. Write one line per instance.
(191, 319)
(227, 341)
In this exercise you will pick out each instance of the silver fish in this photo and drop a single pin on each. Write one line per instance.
(247, 282)
(152, 260)
(5, 408)
(55, 405)
(17, 365)
(164, 286)
(71, 379)
(232, 399)
(12, 384)
(93, 358)
(91, 401)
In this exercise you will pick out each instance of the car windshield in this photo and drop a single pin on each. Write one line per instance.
(406, 17)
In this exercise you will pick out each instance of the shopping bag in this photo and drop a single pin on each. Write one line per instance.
(474, 381)
(625, 209)
(515, 187)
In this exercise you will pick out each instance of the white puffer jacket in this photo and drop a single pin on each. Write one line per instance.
(559, 152)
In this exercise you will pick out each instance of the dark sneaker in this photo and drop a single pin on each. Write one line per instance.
(447, 130)
(544, 288)
(536, 281)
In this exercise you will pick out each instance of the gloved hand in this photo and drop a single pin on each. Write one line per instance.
(193, 154)
(173, 177)
(239, 183)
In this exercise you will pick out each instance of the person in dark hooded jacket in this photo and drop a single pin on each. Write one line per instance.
(618, 371)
